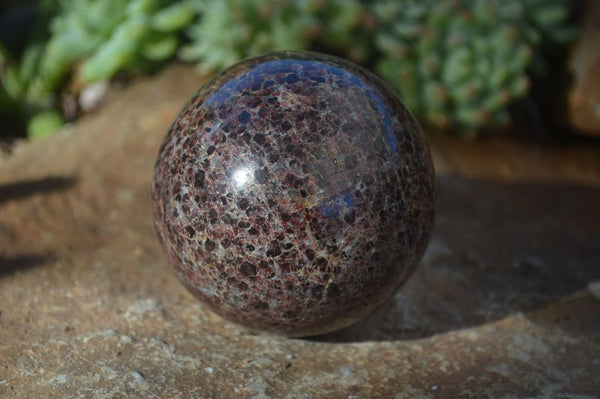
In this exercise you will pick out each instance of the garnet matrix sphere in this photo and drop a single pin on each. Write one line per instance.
(294, 193)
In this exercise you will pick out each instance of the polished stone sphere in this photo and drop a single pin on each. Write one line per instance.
(294, 193)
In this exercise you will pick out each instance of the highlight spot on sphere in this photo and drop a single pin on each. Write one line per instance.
(294, 193)
(242, 176)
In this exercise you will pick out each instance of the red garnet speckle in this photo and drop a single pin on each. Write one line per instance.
(294, 193)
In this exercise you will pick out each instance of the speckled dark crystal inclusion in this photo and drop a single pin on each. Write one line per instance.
(294, 193)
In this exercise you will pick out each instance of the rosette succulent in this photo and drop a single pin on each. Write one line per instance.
(459, 63)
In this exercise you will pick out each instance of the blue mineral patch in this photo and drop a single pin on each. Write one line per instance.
(337, 205)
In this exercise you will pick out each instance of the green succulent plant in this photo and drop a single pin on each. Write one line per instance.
(456, 63)
(101, 38)
(459, 63)
(229, 30)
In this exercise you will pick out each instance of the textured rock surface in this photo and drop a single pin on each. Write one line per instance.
(504, 304)
(294, 193)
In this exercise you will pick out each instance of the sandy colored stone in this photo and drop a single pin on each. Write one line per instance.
(504, 304)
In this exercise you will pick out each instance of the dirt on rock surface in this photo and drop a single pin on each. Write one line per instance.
(506, 302)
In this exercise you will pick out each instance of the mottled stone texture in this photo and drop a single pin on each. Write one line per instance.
(294, 193)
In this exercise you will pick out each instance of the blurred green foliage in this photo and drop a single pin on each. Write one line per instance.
(456, 63)
(460, 63)
(255, 27)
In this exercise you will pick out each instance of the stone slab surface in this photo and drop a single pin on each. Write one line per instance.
(506, 302)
